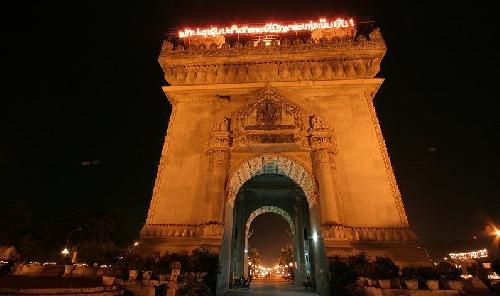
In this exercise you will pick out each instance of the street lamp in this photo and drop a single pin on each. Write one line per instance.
(426, 253)
(65, 251)
(497, 233)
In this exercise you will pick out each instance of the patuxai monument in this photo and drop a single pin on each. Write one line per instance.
(278, 118)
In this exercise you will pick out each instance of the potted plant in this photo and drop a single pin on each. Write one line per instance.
(430, 276)
(383, 270)
(148, 268)
(108, 280)
(163, 267)
(135, 264)
(409, 275)
(450, 276)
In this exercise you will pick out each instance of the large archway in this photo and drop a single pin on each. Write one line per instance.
(271, 184)
(272, 164)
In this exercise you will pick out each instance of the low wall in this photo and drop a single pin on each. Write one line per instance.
(97, 291)
(39, 270)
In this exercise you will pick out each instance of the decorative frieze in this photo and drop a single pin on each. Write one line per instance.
(182, 230)
(273, 71)
(349, 233)
(327, 59)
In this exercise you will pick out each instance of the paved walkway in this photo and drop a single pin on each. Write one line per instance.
(271, 288)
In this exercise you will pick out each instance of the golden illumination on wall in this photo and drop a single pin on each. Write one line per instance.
(469, 255)
(274, 28)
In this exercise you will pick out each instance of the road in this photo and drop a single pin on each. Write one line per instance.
(271, 288)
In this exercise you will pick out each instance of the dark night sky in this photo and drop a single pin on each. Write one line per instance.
(82, 83)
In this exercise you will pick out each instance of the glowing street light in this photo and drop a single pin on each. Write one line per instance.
(136, 244)
(315, 237)
(497, 233)
(65, 251)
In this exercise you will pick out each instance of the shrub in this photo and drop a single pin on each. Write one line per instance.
(360, 264)
(425, 273)
(409, 273)
(384, 268)
(192, 286)
(343, 278)
(448, 271)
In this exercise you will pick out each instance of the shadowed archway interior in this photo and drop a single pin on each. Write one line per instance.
(268, 233)
(278, 194)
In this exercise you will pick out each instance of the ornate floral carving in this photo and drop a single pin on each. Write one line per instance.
(321, 134)
(276, 165)
(270, 209)
(267, 119)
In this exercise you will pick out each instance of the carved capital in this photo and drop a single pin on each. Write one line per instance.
(219, 157)
(321, 134)
(219, 141)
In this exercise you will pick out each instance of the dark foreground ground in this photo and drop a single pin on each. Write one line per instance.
(48, 282)
(271, 287)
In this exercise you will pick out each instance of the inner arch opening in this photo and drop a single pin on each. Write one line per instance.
(279, 195)
(268, 233)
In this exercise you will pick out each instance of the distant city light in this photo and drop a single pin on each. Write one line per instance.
(268, 28)
(469, 255)
(497, 233)
(136, 244)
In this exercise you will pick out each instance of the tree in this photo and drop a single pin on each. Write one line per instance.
(286, 255)
(254, 256)
(286, 259)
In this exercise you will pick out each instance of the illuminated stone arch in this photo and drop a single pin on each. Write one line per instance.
(271, 164)
(270, 209)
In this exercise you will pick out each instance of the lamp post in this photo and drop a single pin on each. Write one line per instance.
(65, 252)
(426, 253)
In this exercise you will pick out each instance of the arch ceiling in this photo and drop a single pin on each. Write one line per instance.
(272, 165)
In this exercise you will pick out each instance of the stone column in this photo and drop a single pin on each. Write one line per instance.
(217, 177)
(327, 193)
(323, 149)
(300, 272)
(218, 152)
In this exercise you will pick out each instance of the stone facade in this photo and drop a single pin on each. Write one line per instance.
(300, 108)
